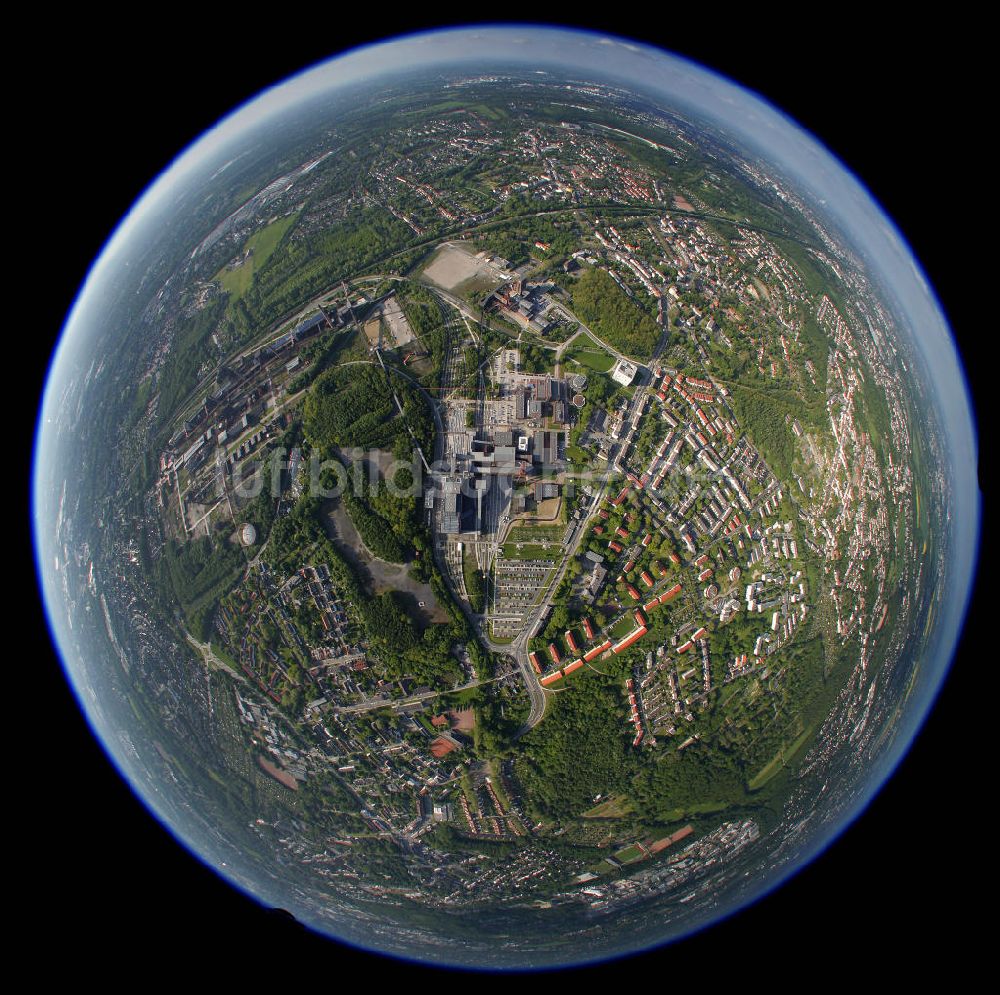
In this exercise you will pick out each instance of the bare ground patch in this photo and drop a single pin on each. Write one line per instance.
(281, 776)
(454, 265)
(378, 575)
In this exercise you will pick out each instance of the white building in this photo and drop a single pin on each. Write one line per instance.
(624, 372)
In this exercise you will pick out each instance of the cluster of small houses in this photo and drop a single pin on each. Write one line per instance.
(634, 706)
(721, 512)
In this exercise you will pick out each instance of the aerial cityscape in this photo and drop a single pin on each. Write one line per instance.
(509, 519)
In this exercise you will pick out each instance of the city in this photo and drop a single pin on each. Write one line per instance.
(522, 541)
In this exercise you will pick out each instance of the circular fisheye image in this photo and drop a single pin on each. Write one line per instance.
(506, 498)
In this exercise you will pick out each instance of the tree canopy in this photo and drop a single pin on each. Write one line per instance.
(600, 303)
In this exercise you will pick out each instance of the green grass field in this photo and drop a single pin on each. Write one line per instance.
(782, 757)
(585, 351)
(474, 582)
(236, 281)
(701, 808)
(536, 533)
(612, 808)
(530, 551)
(629, 854)
(625, 624)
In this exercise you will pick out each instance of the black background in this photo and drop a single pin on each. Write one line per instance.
(108, 878)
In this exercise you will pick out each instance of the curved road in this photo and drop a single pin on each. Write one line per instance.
(518, 648)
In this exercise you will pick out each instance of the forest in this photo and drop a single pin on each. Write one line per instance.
(308, 265)
(423, 313)
(475, 585)
(762, 415)
(579, 751)
(516, 240)
(350, 406)
(398, 641)
(197, 574)
(600, 303)
(375, 531)
(191, 349)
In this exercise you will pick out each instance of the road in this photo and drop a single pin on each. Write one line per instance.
(485, 222)
(371, 706)
(518, 649)
(211, 660)
(431, 402)
(577, 530)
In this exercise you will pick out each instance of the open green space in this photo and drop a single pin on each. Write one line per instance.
(630, 853)
(197, 574)
(780, 759)
(765, 414)
(536, 533)
(236, 280)
(579, 751)
(531, 552)
(475, 583)
(611, 808)
(602, 305)
(585, 351)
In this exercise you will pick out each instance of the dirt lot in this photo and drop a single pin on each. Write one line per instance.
(455, 265)
(545, 511)
(278, 774)
(378, 575)
(397, 322)
(464, 719)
